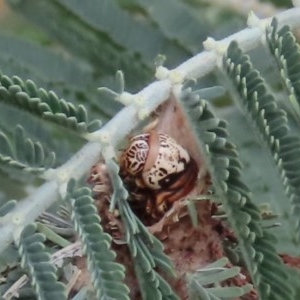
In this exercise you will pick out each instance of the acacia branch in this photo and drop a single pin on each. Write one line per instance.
(27, 210)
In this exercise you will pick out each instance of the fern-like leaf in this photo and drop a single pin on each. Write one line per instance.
(225, 168)
(23, 153)
(283, 46)
(270, 121)
(205, 284)
(107, 275)
(146, 250)
(52, 70)
(37, 262)
(7, 207)
(25, 95)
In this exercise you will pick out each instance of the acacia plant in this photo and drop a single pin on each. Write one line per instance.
(69, 226)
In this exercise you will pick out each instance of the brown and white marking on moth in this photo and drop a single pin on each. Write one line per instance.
(158, 170)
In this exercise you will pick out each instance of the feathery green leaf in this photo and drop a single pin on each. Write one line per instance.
(146, 250)
(200, 283)
(270, 121)
(37, 262)
(106, 274)
(225, 169)
(21, 152)
(47, 105)
(283, 46)
(7, 207)
(136, 35)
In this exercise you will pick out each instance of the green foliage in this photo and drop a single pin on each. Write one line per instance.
(146, 250)
(8, 259)
(23, 153)
(79, 32)
(255, 243)
(283, 46)
(270, 121)
(37, 262)
(47, 68)
(98, 15)
(86, 43)
(205, 284)
(54, 71)
(27, 96)
(7, 207)
(107, 275)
